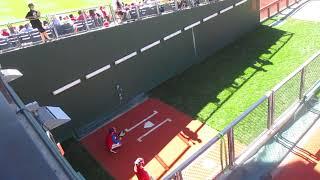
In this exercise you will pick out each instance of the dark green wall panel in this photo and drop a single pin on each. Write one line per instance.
(50, 66)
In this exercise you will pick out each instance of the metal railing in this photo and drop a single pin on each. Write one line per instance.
(68, 23)
(275, 7)
(245, 130)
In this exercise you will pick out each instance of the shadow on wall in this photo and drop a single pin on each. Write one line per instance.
(200, 85)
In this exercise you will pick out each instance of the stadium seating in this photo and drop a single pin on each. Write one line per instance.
(4, 44)
(33, 37)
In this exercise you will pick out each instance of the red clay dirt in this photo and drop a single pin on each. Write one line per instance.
(161, 149)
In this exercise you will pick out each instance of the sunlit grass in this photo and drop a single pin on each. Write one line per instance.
(227, 83)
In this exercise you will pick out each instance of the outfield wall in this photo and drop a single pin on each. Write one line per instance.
(110, 67)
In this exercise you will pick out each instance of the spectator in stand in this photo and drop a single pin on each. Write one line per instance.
(104, 13)
(20, 28)
(26, 29)
(113, 140)
(56, 21)
(126, 7)
(34, 16)
(57, 24)
(72, 18)
(133, 5)
(100, 19)
(139, 170)
(5, 33)
(13, 30)
(96, 17)
(46, 25)
(82, 16)
(119, 10)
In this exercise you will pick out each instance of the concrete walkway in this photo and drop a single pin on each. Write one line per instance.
(303, 161)
(309, 12)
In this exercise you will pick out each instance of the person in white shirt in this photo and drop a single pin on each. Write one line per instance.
(27, 28)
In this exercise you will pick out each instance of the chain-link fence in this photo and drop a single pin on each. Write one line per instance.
(310, 74)
(222, 151)
(209, 163)
(286, 95)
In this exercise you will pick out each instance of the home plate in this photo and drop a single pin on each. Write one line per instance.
(148, 124)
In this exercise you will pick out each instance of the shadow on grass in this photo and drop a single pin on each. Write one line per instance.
(83, 162)
(225, 71)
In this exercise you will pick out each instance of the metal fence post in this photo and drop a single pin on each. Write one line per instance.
(231, 147)
(15, 40)
(113, 14)
(270, 109)
(157, 6)
(278, 7)
(302, 81)
(85, 20)
(138, 12)
(56, 35)
(176, 5)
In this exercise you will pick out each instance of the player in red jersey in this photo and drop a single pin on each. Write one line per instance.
(113, 139)
(139, 170)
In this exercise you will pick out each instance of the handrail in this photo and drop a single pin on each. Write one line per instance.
(73, 10)
(52, 14)
(290, 76)
(270, 4)
(216, 138)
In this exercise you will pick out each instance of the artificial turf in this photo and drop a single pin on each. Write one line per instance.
(11, 10)
(228, 82)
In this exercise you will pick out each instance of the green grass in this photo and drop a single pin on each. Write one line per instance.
(83, 162)
(227, 83)
(11, 10)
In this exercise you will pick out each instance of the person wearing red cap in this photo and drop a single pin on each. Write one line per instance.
(113, 140)
(139, 170)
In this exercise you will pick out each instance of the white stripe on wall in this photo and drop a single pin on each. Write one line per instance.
(241, 2)
(192, 25)
(172, 35)
(94, 73)
(210, 17)
(150, 46)
(66, 87)
(125, 58)
(226, 9)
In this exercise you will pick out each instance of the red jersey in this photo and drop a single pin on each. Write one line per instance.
(109, 141)
(141, 173)
(5, 33)
(81, 17)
